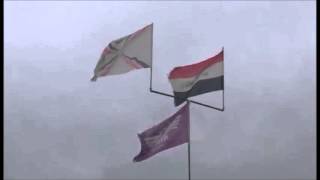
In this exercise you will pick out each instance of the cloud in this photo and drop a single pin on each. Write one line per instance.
(60, 125)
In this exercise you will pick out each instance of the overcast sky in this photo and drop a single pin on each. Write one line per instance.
(58, 124)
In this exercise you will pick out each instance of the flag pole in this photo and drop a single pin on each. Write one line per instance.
(189, 163)
(195, 102)
(151, 59)
(189, 144)
(169, 95)
(223, 79)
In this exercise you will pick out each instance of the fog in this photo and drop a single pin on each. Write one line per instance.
(59, 125)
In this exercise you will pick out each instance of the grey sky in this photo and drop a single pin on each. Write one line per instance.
(58, 124)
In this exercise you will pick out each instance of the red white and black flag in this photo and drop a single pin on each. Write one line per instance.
(133, 51)
(169, 133)
(196, 79)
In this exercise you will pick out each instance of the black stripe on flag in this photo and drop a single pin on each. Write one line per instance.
(201, 87)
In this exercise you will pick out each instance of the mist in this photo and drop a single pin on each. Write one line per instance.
(59, 125)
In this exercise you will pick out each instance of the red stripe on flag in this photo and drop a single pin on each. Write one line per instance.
(105, 51)
(194, 69)
(105, 70)
(132, 63)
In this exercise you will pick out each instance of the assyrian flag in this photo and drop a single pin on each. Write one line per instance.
(196, 79)
(170, 133)
(128, 53)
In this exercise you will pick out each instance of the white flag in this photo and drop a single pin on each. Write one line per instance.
(131, 52)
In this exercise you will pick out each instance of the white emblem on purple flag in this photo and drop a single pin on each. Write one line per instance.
(167, 134)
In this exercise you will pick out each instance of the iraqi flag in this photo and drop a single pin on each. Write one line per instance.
(170, 133)
(128, 53)
(196, 79)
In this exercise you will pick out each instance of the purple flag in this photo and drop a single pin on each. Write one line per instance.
(167, 134)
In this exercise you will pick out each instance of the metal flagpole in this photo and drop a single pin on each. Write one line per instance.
(195, 102)
(223, 79)
(189, 163)
(151, 58)
(189, 143)
(169, 95)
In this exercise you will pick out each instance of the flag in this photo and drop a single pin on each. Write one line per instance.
(133, 51)
(169, 133)
(196, 79)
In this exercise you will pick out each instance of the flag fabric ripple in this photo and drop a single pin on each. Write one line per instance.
(128, 53)
(196, 79)
(169, 133)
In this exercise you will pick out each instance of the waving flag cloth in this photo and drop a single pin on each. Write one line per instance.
(133, 51)
(169, 133)
(196, 79)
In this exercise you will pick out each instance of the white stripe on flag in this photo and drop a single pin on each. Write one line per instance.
(185, 84)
